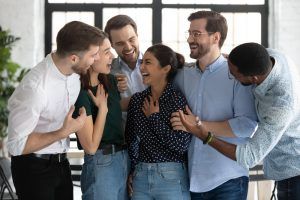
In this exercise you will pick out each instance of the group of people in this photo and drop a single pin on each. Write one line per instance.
(152, 126)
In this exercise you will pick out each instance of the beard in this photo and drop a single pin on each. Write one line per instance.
(200, 52)
(79, 69)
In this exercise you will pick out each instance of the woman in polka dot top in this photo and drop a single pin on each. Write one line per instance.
(158, 153)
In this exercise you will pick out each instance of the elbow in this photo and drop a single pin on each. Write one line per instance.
(91, 150)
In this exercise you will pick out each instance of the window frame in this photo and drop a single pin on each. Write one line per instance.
(156, 7)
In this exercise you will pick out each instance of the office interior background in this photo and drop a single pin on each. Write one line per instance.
(273, 23)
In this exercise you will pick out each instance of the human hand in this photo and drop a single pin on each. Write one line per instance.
(122, 82)
(100, 99)
(72, 125)
(176, 122)
(195, 127)
(129, 185)
(150, 106)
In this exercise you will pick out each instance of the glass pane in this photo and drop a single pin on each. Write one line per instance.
(173, 33)
(141, 16)
(242, 27)
(59, 19)
(102, 1)
(250, 2)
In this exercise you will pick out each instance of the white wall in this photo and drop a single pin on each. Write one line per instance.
(25, 19)
(284, 29)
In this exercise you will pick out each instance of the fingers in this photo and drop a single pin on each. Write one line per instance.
(70, 113)
(82, 111)
(188, 110)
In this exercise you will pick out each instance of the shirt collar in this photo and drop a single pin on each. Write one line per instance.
(125, 66)
(54, 68)
(165, 95)
(270, 79)
(216, 64)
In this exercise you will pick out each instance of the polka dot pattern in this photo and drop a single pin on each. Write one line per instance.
(152, 139)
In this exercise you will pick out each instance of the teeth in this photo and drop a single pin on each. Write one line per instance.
(145, 74)
(127, 53)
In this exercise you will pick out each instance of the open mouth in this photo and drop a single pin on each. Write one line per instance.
(193, 46)
(145, 74)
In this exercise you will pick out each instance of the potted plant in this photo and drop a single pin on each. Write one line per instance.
(10, 75)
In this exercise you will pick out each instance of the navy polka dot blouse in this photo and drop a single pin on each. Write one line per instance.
(152, 139)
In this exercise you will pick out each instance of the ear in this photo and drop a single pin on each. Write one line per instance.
(166, 69)
(216, 37)
(255, 79)
(73, 58)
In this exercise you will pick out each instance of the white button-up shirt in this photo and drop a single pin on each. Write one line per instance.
(39, 104)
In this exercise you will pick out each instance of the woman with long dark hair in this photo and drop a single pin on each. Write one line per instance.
(105, 167)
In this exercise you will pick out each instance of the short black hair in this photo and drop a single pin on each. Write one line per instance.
(251, 59)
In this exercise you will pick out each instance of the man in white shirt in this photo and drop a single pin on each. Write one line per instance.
(40, 119)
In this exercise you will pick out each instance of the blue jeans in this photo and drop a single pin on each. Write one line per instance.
(234, 189)
(160, 181)
(289, 189)
(104, 176)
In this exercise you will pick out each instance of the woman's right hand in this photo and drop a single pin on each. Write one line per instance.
(129, 185)
(100, 99)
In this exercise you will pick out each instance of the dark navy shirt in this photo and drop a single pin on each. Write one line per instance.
(152, 139)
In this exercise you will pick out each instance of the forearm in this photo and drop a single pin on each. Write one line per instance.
(37, 141)
(124, 103)
(90, 137)
(223, 147)
(221, 128)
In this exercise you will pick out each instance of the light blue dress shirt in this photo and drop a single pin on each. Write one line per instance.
(277, 139)
(212, 96)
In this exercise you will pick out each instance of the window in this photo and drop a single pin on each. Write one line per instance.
(162, 20)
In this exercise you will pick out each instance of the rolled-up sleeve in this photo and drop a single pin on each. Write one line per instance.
(244, 122)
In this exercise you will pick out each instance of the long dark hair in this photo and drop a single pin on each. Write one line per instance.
(166, 56)
(85, 79)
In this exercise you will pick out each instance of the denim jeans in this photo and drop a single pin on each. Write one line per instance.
(234, 189)
(289, 189)
(160, 181)
(104, 176)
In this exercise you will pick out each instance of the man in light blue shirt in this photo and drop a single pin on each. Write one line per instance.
(277, 101)
(225, 106)
(122, 31)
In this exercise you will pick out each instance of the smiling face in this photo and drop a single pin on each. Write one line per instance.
(200, 45)
(125, 42)
(83, 62)
(152, 72)
(103, 64)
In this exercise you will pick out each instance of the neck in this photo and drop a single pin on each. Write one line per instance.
(62, 64)
(157, 89)
(207, 59)
(93, 78)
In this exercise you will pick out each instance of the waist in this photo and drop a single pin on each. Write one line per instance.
(59, 157)
(161, 166)
(112, 148)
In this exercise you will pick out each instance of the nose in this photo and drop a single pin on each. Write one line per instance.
(190, 39)
(127, 46)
